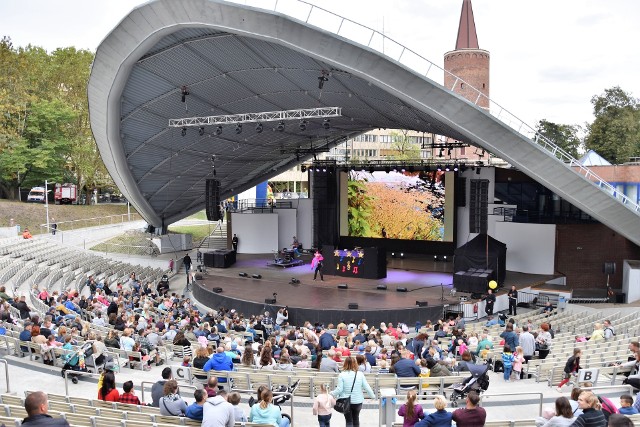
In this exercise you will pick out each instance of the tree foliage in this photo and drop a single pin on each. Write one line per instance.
(615, 132)
(403, 148)
(564, 136)
(44, 119)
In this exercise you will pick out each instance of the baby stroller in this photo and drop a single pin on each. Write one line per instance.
(279, 399)
(75, 361)
(478, 382)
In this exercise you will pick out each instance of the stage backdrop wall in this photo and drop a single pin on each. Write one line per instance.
(304, 220)
(532, 247)
(286, 227)
(631, 280)
(257, 233)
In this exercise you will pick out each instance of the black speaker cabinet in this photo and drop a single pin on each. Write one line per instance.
(343, 286)
(212, 198)
(401, 289)
(422, 303)
(353, 306)
(219, 258)
(609, 268)
(381, 287)
(270, 301)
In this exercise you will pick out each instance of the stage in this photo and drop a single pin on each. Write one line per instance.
(424, 279)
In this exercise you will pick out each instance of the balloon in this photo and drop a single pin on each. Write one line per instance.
(493, 284)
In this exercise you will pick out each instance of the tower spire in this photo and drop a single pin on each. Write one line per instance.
(467, 36)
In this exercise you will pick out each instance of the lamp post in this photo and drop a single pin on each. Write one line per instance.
(46, 202)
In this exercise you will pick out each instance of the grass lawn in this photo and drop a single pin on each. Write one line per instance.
(198, 232)
(202, 215)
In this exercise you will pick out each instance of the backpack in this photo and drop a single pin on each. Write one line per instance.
(608, 407)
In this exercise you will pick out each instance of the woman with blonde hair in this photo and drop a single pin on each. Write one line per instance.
(351, 383)
(591, 413)
(411, 411)
(265, 412)
(440, 418)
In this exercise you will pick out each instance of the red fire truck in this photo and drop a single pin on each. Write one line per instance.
(65, 194)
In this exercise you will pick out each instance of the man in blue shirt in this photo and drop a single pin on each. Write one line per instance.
(194, 411)
(219, 362)
(25, 335)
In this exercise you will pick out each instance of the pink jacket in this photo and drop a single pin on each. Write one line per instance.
(518, 359)
(323, 404)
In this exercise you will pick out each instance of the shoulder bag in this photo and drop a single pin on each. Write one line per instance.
(344, 403)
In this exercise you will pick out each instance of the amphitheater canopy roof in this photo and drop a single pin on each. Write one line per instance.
(232, 59)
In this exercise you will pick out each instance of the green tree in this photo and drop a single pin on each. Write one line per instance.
(403, 148)
(360, 208)
(615, 132)
(564, 136)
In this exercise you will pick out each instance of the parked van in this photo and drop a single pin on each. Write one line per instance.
(36, 194)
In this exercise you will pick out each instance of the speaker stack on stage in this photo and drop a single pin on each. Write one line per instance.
(212, 198)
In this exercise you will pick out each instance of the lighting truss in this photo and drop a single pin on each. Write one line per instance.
(268, 116)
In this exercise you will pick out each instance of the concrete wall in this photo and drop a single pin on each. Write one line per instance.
(257, 233)
(530, 247)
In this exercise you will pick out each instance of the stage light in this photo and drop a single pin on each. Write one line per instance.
(324, 169)
(280, 127)
(439, 168)
(387, 169)
(449, 152)
(444, 257)
(183, 132)
(463, 167)
(401, 254)
(441, 153)
(317, 169)
(322, 79)
(435, 257)
(239, 128)
(393, 254)
(478, 170)
(256, 276)
(455, 167)
(243, 275)
(201, 131)
(326, 124)
(294, 281)
(185, 92)
(218, 130)
(371, 169)
(446, 168)
(259, 128)
(303, 168)
(303, 125)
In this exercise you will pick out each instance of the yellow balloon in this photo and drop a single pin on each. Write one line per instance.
(493, 284)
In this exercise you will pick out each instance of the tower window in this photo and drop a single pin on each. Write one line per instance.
(461, 85)
(483, 86)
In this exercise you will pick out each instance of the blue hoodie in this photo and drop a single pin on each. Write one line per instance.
(219, 362)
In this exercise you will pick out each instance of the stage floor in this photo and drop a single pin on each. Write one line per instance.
(425, 280)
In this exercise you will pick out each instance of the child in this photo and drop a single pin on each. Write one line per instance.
(234, 399)
(518, 360)
(171, 264)
(186, 361)
(571, 367)
(411, 412)
(626, 405)
(507, 361)
(323, 405)
(303, 362)
(424, 370)
(484, 353)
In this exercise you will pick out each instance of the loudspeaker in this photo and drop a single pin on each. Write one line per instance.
(621, 298)
(256, 276)
(402, 289)
(270, 301)
(212, 198)
(609, 268)
(461, 191)
(353, 306)
(243, 275)
(217, 290)
(422, 303)
(343, 286)
(381, 287)
(294, 281)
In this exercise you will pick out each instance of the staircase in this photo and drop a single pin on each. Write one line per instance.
(217, 239)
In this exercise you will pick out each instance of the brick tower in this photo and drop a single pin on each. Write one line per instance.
(468, 61)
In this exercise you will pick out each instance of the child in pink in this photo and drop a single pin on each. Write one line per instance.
(518, 360)
(323, 406)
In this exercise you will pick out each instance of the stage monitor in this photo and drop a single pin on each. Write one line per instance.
(399, 205)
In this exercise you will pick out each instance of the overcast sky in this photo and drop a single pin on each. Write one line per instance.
(548, 57)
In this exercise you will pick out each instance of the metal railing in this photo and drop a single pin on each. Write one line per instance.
(6, 373)
(149, 384)
(275, 393)
(510, 396)
(373, 39)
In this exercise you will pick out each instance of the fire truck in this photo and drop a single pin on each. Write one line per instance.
(65, 194)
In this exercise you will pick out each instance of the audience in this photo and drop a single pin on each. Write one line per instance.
(37, 406)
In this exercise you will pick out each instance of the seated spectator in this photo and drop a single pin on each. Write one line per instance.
(171, 403)
(265, 412)
(563, 415)
(212, 386)
(37, 405)
(411, 411)
(128, 396)
(108, 392)
(328, 364)
(303, 362)
(438, 369)
(619, 420)
(218, 412)
(157, 388)
(472, 414)
(194, 411)
(234, 399)
(219, 362)
(626, 405)
(284, 364)
(441, 417)
(591, 413)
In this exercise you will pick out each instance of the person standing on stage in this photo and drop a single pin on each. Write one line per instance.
(317, 262)
(490, 299)
(234, 242)
(513, 300)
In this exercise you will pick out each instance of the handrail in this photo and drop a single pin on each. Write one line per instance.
(382, 44)
(77, 373)
(6, 373)
(541, 395)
